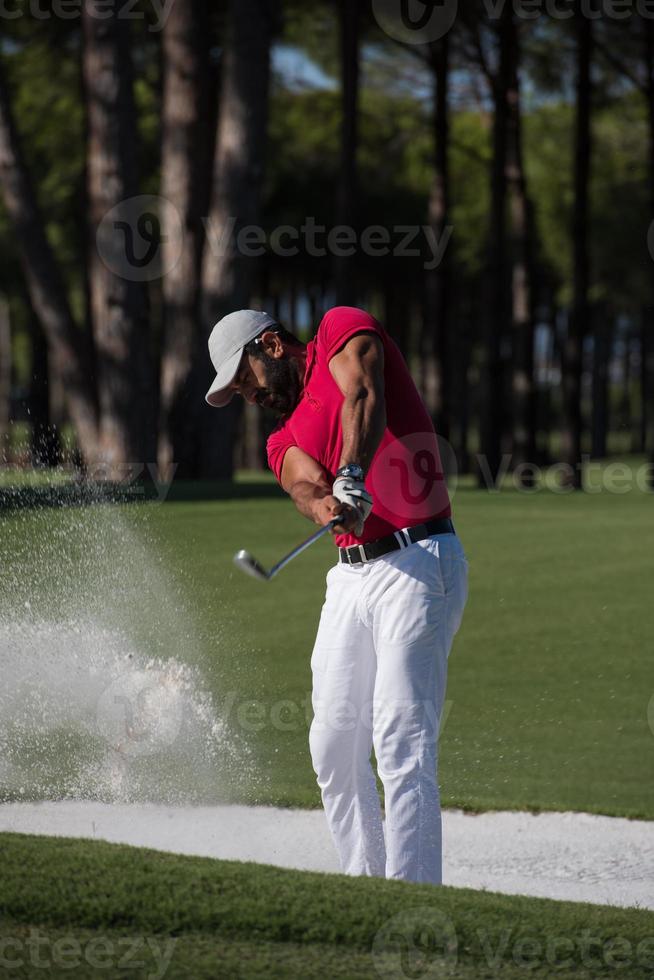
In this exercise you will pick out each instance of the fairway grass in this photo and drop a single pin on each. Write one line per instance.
(83, 903)
(551, 677)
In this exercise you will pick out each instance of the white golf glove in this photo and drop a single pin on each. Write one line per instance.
(353, 492)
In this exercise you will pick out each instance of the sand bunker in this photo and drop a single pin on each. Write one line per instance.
(574, 856)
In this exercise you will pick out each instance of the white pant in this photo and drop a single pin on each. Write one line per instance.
(379, 674)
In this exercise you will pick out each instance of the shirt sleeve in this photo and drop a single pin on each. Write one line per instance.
(342, 323)
(278, 442)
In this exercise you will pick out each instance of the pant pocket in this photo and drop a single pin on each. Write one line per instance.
(459, 593)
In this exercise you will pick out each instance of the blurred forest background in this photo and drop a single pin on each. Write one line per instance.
(529, 141)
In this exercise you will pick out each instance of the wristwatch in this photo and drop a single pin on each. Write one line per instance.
(352, 470)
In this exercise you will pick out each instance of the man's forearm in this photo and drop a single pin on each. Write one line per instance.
(305, 494)
(363, 420)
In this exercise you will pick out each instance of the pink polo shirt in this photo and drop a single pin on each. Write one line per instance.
(405, 477)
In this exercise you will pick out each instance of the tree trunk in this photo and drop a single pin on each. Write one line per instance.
(579, 323)
(463, 342)
(45, 285)
(646, 326)
(237, 178)
(496, 313)
(548, 406)
(184, 171)
(600, 397)
(346, 207)
(632, 420)
(396, 315)
(437, 326)
(118, 296)
(647, 370)
(46, 447)
(5, 379)
(523, 395)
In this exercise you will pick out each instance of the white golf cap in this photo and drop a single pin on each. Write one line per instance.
(226, 343)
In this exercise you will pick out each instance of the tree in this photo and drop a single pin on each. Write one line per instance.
(647, 341)
(5, 375)
(45, 438)
(346, 204)
(437, 325)
(185, 176)
(496, 312)
(118, 298)
(579, 321)
(602, 346)
(631, 54)
(44, 283)
(227, 274)
(523, 416)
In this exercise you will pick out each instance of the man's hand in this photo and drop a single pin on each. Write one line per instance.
(329, 507)
(353, 493)
(307, 483)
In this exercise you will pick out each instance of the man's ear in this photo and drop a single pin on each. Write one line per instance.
(272, 344)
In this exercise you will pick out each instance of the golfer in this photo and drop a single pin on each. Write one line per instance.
(354, 441)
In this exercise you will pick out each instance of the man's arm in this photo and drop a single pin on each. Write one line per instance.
(358, 370)
(305, 481)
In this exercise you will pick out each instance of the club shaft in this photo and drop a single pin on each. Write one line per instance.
(301, 547)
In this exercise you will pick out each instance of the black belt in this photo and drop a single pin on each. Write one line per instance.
(358, 553)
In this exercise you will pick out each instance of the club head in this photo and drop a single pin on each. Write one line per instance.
(248, 564)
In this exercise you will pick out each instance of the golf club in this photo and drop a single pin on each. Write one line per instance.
(248, 564)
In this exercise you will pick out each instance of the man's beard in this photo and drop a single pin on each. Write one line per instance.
(283, 385)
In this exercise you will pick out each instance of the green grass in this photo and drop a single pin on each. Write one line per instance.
(212, 919)
(551, 674)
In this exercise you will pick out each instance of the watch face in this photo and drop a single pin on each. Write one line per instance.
(353, 470)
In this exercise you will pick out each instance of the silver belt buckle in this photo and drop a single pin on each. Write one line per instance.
(362, 554)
